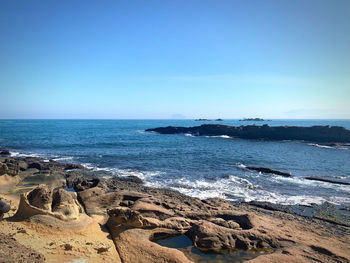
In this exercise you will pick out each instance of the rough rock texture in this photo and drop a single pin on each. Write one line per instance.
(13, 252)
(313, 134)
(4, 208)
(124, 216)
(135, 212)
(44, 200)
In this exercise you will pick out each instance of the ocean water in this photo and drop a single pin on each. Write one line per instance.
(198, 166)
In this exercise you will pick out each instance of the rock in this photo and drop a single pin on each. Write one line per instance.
(312, 178)
(56, 203)
(5, 152)
(313, 134)
(13, 251)
(41, 197)
(268, 171)
(128, 217)
(134, 246)
(35, 165)
(253, 119)
(81, 184)
(4, 208)
(71, 166)
(207, 235)
(3, 169)
(66, 205)
(9, 167)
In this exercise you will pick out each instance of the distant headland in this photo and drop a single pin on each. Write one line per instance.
(312, 134)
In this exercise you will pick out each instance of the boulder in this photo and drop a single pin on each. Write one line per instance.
(4, 208)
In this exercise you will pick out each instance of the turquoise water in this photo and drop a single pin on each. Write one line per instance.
(198, 166)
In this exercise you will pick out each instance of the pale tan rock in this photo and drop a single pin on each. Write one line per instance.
(134, 246)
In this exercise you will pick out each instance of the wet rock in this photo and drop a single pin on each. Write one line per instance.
(268, 171)
(81, 184)
(320, 179)
(35, 165)
(72, 166)
(5, 152)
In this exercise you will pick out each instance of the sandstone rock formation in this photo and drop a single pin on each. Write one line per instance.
(56, 203)
(136, 212)
(13, 252)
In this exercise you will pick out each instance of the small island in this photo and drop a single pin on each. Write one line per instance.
(208, 120)
(253, 119)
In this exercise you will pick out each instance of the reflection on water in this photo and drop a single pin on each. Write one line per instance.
(184, 244)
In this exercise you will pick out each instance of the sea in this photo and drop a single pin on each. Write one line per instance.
(202, 167)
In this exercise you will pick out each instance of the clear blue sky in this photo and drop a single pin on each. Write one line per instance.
(168, 59)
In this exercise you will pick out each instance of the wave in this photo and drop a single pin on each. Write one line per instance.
(338, 147)
(235, 188)
(18, 154)
(63, 158)
(241, 165)
(219, 136)
(113, 171)
(189, 135)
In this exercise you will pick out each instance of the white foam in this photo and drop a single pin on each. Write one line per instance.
(339, 147)
(313, 183)
(143, 175)
(88, 165)
(63, 158)
(17, 154)
(241, 165)
(189, 135)
(219, 136)
(235, 188)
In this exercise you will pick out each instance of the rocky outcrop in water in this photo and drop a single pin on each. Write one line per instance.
(267, 171)
(312, 134)
(320, 179)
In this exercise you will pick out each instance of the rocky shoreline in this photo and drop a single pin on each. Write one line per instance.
(66, 212)
(323, 134)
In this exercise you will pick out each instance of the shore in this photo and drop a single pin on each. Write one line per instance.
(65, 212)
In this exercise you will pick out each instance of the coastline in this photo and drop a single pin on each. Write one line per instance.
(133, 214)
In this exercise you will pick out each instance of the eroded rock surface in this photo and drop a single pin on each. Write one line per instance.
(44, 200)
(212, 224)
(13, 252)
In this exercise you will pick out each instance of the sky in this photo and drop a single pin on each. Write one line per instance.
(175, 59)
